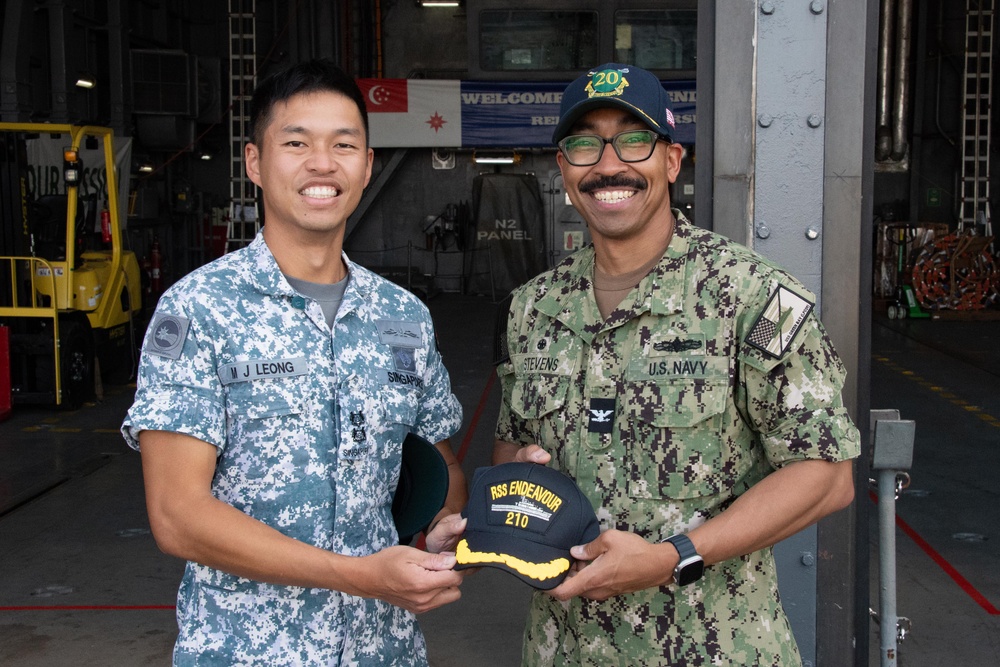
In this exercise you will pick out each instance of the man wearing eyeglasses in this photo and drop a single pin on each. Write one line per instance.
(687, 386)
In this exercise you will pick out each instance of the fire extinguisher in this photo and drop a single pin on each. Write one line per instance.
(147, 281)
(154, 262)
(105, 224)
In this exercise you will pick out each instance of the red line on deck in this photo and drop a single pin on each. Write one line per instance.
(949, 569)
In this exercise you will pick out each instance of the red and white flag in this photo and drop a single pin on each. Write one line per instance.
(413, 112)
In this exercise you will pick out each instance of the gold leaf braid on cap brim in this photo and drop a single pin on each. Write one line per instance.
(539, 571)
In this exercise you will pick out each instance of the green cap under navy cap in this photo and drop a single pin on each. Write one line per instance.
(523, 518)
(615, 85)
(422, 488)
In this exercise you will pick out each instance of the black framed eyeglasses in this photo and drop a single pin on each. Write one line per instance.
(584, 150)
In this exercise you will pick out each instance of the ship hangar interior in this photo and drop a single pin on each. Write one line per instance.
(849, 140)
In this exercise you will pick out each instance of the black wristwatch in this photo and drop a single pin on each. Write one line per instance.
(691, 565)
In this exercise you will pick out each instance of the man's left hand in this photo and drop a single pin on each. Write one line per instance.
(619, 562)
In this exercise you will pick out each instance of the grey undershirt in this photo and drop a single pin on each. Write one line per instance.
(329, 295)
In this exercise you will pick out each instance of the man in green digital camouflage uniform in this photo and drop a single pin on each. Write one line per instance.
(687, 386)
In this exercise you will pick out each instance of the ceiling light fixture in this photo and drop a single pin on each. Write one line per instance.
(495, 157)
(86, 81)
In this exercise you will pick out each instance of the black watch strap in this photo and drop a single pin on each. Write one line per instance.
(684, 546)
(691, 566)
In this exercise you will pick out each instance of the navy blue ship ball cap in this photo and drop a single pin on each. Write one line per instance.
(523, 518)
(615, 85)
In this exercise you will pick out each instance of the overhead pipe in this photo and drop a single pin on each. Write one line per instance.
(901, 104)
(883, 132)
(937, 77)
(379, 73)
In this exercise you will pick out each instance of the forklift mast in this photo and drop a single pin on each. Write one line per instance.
(69, 290)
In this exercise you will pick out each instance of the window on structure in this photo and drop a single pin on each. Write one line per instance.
(513, 40)
(656, 39)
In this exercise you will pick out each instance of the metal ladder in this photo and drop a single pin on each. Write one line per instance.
(974, 208)
(244, 221)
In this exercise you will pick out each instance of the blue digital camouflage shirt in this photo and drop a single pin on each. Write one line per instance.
(710, 374)
(308, 424)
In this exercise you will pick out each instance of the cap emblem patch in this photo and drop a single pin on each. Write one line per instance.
(607, 83)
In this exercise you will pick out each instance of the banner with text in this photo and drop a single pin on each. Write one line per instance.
(45, 170)
(478, 114)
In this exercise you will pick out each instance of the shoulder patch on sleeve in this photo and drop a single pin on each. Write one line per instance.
(777, 324)
(169, 333)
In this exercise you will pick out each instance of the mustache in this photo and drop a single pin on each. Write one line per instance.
(616, 181)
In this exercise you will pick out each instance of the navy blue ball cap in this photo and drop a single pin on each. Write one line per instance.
(615, 85)
(523, 518)
(422, 488)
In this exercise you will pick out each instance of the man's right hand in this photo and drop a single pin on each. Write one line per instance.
(415, 580)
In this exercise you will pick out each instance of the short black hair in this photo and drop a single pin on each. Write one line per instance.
(311, 76)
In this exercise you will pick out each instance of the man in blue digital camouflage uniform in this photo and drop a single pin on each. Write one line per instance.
(276, 386)
(687, 386)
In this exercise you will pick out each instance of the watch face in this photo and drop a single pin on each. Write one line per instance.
(690, 571)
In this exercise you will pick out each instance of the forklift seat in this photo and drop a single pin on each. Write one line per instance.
(47, 222)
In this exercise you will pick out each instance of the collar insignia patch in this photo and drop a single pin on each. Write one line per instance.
(602, 415)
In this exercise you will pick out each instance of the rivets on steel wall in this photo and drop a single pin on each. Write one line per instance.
(814, 120)
(812, 233)
(816, 7)
(763, 231)
(764, 120)
(767, 7)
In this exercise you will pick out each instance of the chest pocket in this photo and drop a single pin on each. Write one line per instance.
(266, 427)
(265, 398)
(373, 416)
(676, 447)
(399, 413)
(539, 400)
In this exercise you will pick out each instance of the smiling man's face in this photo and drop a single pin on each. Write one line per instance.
(618, 199)
(312, 163)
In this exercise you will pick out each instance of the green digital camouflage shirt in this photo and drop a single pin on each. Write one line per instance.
(712, 373)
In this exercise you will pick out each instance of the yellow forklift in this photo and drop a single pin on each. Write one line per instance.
(70, 293)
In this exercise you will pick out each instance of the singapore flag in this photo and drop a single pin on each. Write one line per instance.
(413, 112)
